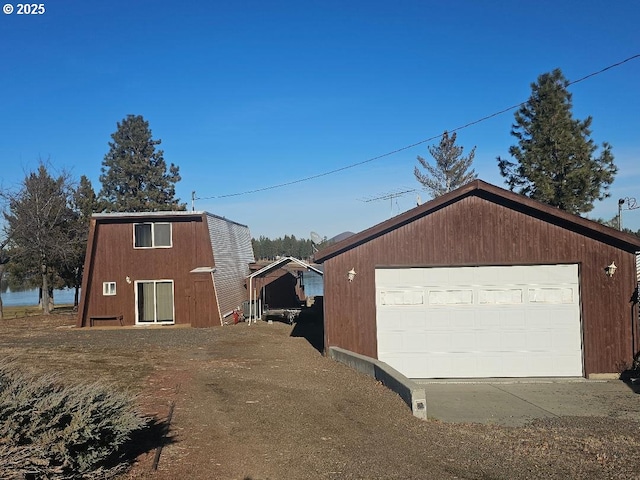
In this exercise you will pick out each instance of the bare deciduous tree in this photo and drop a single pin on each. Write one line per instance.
(38, 219)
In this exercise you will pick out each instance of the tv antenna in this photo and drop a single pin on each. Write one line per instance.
(393, 195)
(631, 205)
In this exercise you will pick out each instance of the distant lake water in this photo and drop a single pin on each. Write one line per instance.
(27, 298)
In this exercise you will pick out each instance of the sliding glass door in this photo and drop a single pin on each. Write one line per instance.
(154, 301)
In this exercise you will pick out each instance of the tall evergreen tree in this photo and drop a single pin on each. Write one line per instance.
(134, 174)
(554, 161)
(83, 204)
(451, 169)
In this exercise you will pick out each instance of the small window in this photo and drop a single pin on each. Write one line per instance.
(152, 235)
(109, 288)
(142, 233)
(162, 235)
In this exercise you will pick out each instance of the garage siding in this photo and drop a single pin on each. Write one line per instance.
(489, 226)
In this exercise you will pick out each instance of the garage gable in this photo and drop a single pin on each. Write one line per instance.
(476, 226)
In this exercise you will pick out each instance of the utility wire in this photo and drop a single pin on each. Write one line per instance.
(393, 152)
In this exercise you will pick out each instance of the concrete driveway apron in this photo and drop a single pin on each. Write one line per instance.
(516, 402)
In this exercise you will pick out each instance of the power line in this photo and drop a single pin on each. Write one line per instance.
(407, 147)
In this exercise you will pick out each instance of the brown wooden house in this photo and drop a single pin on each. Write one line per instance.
(482, 282)
(164, 268)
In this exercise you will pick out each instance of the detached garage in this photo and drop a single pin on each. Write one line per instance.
(483, 282)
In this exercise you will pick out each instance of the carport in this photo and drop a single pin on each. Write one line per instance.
(256, 296)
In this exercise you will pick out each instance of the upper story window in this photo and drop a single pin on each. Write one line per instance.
(152, 235)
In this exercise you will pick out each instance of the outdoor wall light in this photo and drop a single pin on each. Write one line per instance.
(611, 269)
(351, 274)
(128, 279)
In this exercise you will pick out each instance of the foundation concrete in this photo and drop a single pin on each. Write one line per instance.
(412, 393)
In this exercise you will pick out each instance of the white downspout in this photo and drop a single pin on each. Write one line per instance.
(215, 292)
(250, 295)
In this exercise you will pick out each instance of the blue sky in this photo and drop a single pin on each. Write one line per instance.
(250, 94)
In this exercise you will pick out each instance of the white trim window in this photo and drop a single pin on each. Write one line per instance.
(154, 302)
(152, 235)
(108, 289)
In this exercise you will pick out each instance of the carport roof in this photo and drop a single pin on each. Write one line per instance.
(281, 263)
(589, 228)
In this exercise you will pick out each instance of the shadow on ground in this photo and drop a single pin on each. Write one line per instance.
(631, 378)
(309, 325)
(148, 440)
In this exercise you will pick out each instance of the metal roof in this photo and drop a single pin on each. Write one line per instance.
(281, 263)
(161, 214)
(164, 213)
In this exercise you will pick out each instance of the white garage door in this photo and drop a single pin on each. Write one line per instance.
(465, 322)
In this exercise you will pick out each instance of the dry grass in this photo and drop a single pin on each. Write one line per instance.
(255, 402)
(33, 311)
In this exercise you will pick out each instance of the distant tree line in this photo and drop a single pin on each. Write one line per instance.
(288, 246)
(613, 223)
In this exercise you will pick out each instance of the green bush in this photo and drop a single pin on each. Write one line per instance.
(49, 429)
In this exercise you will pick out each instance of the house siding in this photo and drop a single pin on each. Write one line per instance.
(112, 257)
(480, 230)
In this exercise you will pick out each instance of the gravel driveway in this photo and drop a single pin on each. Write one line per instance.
(256, 403)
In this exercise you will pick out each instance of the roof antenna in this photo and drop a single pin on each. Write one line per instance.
(193, 201)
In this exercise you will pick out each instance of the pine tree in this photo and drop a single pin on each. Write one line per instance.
(134, 174)
(451, 169)
(554, 160)
(83, 204)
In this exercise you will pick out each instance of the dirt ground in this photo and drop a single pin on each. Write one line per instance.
(260, 402)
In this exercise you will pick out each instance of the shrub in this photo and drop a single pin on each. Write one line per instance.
(51, 429)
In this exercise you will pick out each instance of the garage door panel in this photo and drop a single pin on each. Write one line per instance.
(391, 342)
(565, 340)
(438, 320)
(465, 341)
(414, 343)
(471, 325)
(541, 319)
(515, 340)
(487, 341)
(487, 322)
(509, 318)
(438, 342)
(487, 363)
(539, 341)
(413, 319)
(462, 320)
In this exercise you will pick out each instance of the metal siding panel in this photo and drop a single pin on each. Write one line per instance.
(232, 253)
